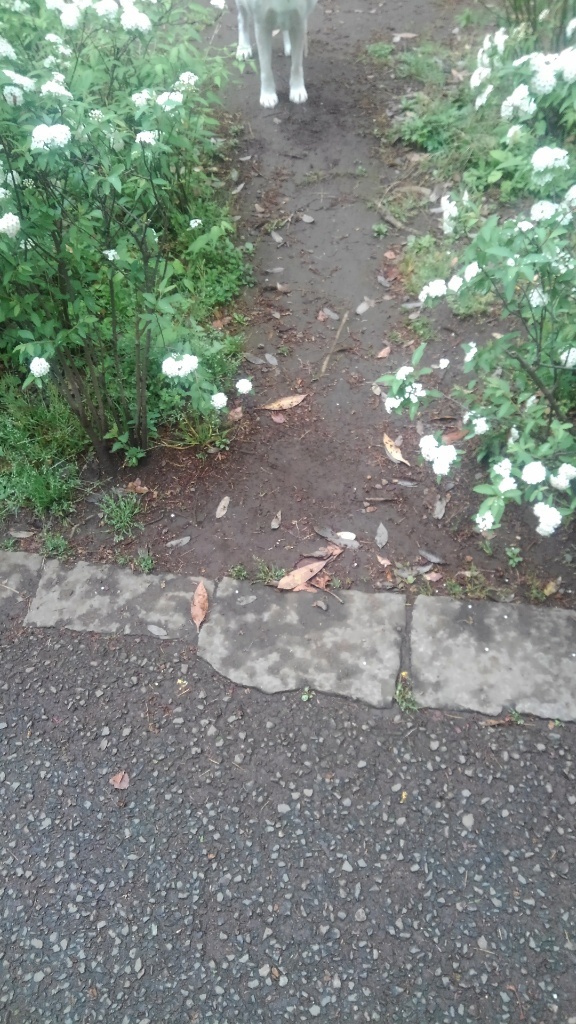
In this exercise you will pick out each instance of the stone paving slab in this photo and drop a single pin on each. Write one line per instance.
(108, 599)
(261, 637)
(486, 657)
(19, 575)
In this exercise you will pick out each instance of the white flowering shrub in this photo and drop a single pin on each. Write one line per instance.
(111, 229)
(521, 397)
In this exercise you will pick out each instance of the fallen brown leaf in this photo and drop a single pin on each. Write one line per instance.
(284, 403)
(199, 605)
(137, 487)
(222, 508)
(235, 414)
(551, 588)
(120, 781)
(384, 352)
(299, 576)
(392, 450)
(433, 577)
(384, 561)
(452, 436)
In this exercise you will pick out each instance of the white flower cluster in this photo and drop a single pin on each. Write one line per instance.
(140, 99)
(219, 400)
(9, 225)
(534, 473)
(504, 470)
(133, 20)
(537, 298)
(179, 366)
(106, 9)
(564, 477)
(110, 254)
(6, 50)
(434, 290)
(484, 521)
(39, 367)
(568, 358)
(547, 159)
(195, 223)
(519, 101)
(471, 352)
(449, 214)
(53, 136)
(514, 133)
(147, 138)
(549, 518)
(13, 95)
(403, 372)
(187, 80)
(168, 100)
(481, 425)
(440, 455)
(244, 386)
(55, 87)
(27, 84)
(483, 96)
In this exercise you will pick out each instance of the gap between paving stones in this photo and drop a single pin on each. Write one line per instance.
(467, 655)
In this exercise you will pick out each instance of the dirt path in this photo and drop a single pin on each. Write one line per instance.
(324, 465)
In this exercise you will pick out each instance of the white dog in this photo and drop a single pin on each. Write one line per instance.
(268, 16)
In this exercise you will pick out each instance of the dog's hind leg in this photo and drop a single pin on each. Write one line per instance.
(268, 97)
(298, 92)
(287, 46)
(244, 48)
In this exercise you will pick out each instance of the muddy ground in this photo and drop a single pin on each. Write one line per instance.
(324, 464)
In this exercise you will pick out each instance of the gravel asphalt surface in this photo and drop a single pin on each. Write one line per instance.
(271, 858)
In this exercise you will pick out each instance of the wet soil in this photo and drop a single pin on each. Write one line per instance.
(323, 463)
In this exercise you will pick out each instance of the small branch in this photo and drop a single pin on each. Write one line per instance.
(541, 387)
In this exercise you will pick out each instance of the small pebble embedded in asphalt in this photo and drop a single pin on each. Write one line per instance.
(252, 870)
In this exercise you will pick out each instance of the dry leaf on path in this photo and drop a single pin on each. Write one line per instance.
(431, 557)
(307, 218)
(384, 352)
(552, 587)
(136, 487)
(21, 534)
(365, 306)
(384, 561)
(276, 238)
(285, 403)
(392, 450)
(381, 535)
(276, 521)
(277, 417)
(329, 551)
(235, 414)
(199, 605)
(433, 577)
(347, 539)
(452, 436)
(299, 576)
(440, 506)
(222, 508)
(120, 781)
(271, 359)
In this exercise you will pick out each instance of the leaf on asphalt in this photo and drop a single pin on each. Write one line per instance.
(276, 238)
(136, 486)
(384, 561)
(329, 314)
(199, 605)
(404, 35)
(381, 535)
(120, 781)
(440, 506)
(376, 389)
(276, 521)
(238, 188)
(392, 450)
(283, 288)
(255, 360)
(285, 403)
(271, 359)
(552, 587)
(21, 534)
(235, 414)
(157, 630)
(320, 604)
(222, 508)
(179, 542)
(328, 551)
(299, 576)
(277, 417)
(258, 208)
(307, 218)
(365, 306)
(384, 352)
(431, 557)
(390, 254)
(433, 577)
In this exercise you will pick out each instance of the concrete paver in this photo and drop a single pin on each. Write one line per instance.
(257, 636)
(485, 657)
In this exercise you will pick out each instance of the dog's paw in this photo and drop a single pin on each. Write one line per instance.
(268, 99)
(298, 94)
(243, 52)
